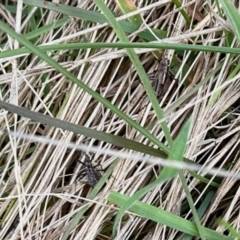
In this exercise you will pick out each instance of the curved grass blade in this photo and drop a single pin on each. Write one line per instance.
(139, 68)
(94, 94)
(233, 15)
(78, 129)
(191, 204)
(98, 45)
(128, 6)
(92, 16)
(165, 218)
(176, 153)
(184, 14)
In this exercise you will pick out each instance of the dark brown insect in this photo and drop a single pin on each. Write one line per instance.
(160, 78)
(93, 174)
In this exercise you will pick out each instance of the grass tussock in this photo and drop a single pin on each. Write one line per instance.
(64, 66)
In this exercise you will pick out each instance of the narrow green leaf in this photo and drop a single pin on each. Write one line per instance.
(191, 204)
(78, 129)
(233, 15)
(71, 77)
(93, 16)
(176, 153)
(234, 232)
(165, 218)
(46, 28)
(184, 14)
(99, 45)
(139, 68)
(201, 211)
(128, 6)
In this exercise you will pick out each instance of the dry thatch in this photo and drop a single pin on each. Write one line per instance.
(41, 190)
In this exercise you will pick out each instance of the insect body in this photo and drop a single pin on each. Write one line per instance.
(160, 79)
(93, 174)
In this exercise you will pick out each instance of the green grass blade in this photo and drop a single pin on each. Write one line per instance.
(78, 129)
(139, 68)
(184, 14)
(127, 7)
(201, 211)
(166, 218)
(205, 204)
(176, 153)
(98, 45)
(71, 77)
(92, 16)
(234, 232)
(233, 15)
(191, 204)
(45, 29)
(204, 179)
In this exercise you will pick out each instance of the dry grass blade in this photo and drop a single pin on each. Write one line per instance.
(40, 192)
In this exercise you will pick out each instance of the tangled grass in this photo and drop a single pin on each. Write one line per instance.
(72, 62)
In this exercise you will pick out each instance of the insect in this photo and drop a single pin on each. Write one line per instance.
(92, 173)
(160, 78)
